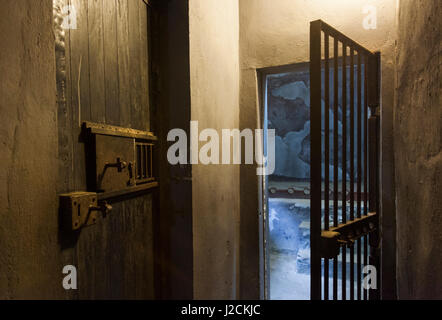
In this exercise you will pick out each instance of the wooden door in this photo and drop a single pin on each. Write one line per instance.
(103, 78)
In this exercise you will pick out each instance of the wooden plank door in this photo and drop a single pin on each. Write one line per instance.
(103, 77)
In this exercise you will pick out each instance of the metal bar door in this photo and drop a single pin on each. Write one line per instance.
(345, 81)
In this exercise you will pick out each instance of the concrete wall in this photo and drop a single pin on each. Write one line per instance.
(30, 265)
(417, 134)
(214, 78)
(275, 33)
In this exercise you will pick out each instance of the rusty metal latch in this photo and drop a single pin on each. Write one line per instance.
(119, 164)
(120, 161)
(79, 209)
(346, 234)
(103, 207)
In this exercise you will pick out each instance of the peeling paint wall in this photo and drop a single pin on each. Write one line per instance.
(275, 33)
(214, 65)
(30, 264)
(417, 134)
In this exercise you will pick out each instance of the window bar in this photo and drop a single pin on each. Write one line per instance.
(365, 161)
(359, 180)
(344, 165)
(139, 161)
(144, 161)
(335, 160)
(352, 165)
(327, 157)
(151, 160)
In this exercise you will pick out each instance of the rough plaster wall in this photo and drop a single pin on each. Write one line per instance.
(214, 63)
(30, 266)
(276, 33)
(417, 133)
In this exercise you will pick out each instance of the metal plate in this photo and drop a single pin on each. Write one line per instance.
(77, 211)
(115, 163)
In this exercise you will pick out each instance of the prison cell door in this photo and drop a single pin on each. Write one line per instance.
(106, 179)
(344, 167)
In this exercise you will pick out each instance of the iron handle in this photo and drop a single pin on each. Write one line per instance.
(103, 207)
(120, 165)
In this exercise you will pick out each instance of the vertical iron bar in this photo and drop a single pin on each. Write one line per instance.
(373, 102)
(327, 156)
(374, 236)
(365, 263)
(139, 161)
(144, 161)
(365, 161)
(359, 149)
(373, 97)
(315, 156)
(335, 159)
(365, 248)
(352, 165)
(372, 153)
(344, 165)
(151, 161)
(366, 135)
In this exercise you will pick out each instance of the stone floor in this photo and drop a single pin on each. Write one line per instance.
(289, 251)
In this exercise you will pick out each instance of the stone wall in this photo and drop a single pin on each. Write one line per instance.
(418, 157)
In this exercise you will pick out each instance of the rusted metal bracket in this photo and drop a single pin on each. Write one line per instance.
(119, 164)
(108, 130)
(346, 234)
(80, 209)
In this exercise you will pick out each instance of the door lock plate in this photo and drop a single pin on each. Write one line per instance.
(79, 209)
